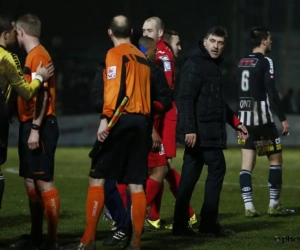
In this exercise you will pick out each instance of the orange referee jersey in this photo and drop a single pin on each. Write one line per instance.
(26, 108)
(126, 64)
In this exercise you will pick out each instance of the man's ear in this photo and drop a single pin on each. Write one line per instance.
(204, 42)
(4, 34)
(131, 31)
(109, 32)
(160, 33)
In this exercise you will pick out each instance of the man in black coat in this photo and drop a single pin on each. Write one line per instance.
(202, 117)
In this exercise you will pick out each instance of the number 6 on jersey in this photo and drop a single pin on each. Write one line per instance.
(245, 80)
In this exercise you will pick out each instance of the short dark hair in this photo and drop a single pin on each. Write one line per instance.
(31, 24)
(257, 34)
(217, 31)
(168, 34)
(146, 41)
(120, 29)
(5, 23)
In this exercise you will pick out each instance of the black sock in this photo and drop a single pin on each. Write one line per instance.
(246, 188)
(1, 188)
(275, 183)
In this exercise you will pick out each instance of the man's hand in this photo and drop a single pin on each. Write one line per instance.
(34, 138)
(242, 132)
(45, 72)
(285, 128)
(102, 133)
(156, 140)
(190, 140)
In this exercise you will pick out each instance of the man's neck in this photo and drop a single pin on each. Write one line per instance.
(31, 43)
(2, 43)
(259, 50)
(117, 42)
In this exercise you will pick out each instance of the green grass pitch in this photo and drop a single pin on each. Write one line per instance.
(72, 167)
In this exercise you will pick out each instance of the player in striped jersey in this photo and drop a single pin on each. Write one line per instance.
(257, 93)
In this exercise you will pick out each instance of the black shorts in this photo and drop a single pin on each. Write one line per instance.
(38, 164)
(4, 129)
(124, 154)
(263, 139)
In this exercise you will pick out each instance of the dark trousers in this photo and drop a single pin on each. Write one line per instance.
(115, 206)
(193, 162)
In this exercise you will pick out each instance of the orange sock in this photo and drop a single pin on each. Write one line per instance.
(138, 214)
(36, 206)
(52, 206)
(94, 206)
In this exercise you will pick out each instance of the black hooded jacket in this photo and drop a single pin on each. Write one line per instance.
(201, 106)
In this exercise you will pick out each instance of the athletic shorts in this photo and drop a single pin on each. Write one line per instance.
(169, 132)
(263, 139)
(124, 154)
(38, 164)
(157, 159)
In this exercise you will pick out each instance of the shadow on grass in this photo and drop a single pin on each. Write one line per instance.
(15, 220)
(162, 240)
(10, 222)
(255, 224)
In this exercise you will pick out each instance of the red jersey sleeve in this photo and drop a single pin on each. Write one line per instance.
(165, 60)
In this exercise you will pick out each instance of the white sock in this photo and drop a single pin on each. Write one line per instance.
(249, 206)
(273, 203)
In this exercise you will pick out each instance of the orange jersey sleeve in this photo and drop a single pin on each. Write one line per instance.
(112, 82)
(35, 63)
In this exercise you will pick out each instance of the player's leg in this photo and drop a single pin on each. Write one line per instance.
(122, 188)
(94, 207)
(154, 208)
(136, 174)
(157, 165)
(275, 176)
(104, 165)
(41, 164)
(191, 170)
(248, 163)
(115, 205)
(248, 153)
(153, 187)
(35, 202)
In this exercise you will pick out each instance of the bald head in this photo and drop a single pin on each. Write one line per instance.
(153, 27)
(158, 22)
(120, 27)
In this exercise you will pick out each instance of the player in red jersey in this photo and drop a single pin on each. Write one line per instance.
(165, 128)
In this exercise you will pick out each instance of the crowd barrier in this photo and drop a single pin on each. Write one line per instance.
(80, 131)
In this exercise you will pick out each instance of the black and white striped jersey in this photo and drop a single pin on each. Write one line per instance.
(256, 80)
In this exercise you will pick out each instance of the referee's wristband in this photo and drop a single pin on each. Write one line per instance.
(35, 126)
(40, 78)
(102, 116)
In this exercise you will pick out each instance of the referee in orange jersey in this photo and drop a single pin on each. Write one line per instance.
(124, 152)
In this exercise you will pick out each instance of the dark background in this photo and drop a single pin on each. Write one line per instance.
(75, 33)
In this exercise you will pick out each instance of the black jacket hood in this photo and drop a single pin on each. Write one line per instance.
(199, 50)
